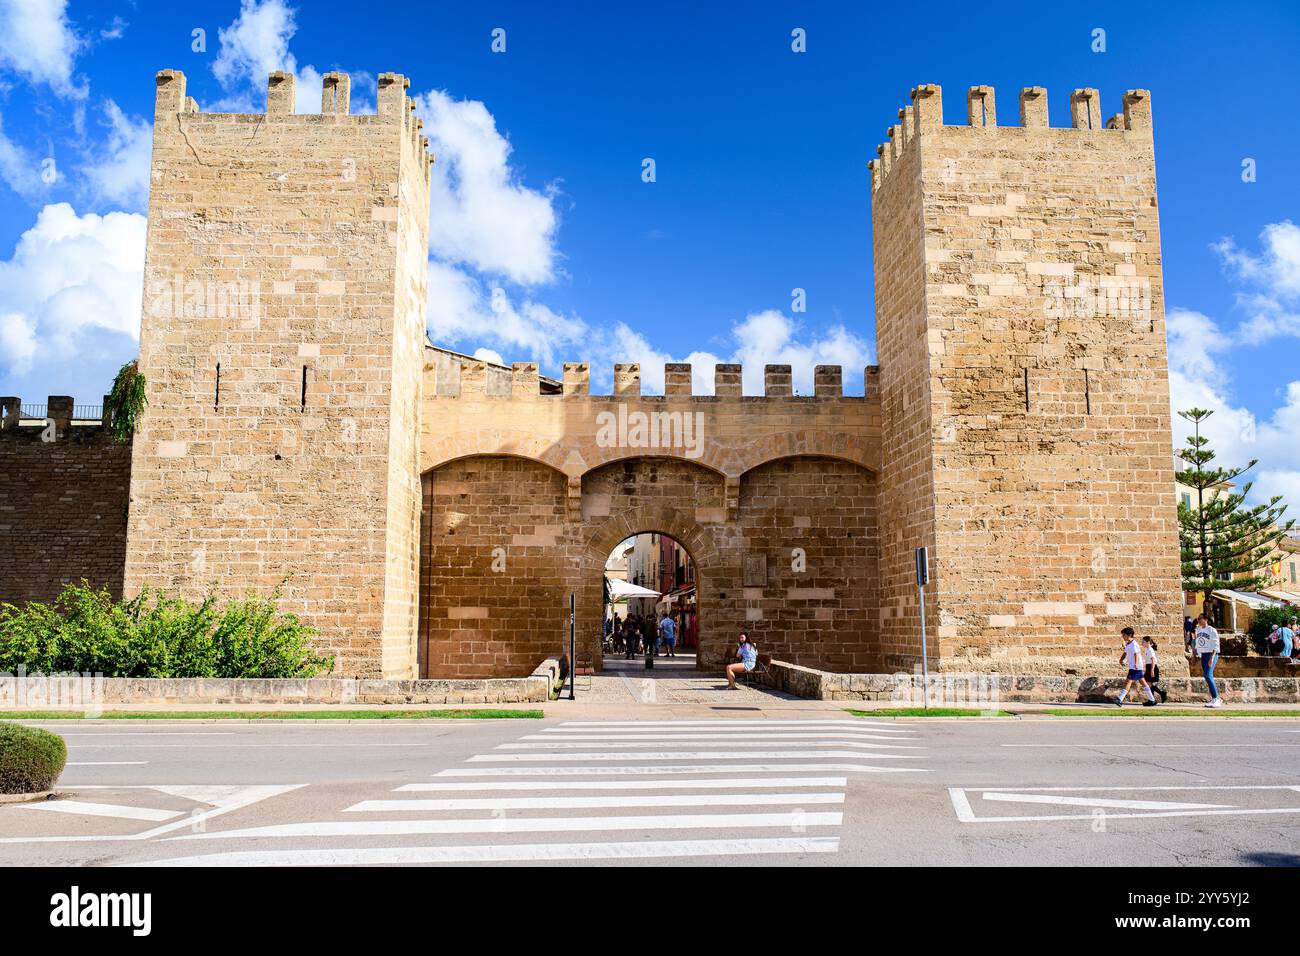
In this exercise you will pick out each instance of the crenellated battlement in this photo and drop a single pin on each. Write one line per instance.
(466, 377)
(924, 116)
(392, 105)
(60, 410)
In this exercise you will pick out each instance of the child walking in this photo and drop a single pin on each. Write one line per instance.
(1132, 657)
(1152, 673)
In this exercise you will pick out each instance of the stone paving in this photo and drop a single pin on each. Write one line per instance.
(671, 681)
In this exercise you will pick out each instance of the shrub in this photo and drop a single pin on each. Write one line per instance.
(30, 759)
(1262, 623)
(151, 635)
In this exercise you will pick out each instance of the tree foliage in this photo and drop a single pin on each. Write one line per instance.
(126, 401)
(1223, 541)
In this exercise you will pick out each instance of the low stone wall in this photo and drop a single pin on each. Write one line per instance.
(35, 692)
(984, 689)
(1253, 666)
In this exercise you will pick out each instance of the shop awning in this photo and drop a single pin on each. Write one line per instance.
(621, 590)
(1248, 598)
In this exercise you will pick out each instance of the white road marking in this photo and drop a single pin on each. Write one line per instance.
(965, 814)
(634, 739)
(638, 771)
(581, 732)
(1163, 745)
(700, 755)
(720, 742)
(595, 803)
(729, 722)
(151, 733)
(81, 808)
(711, 783)
(701, 821)
(509, 853)
(1110, 803)
(232, 798)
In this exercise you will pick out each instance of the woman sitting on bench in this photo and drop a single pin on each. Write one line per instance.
(747, 657)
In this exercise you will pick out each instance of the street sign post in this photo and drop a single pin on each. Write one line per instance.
(573, 648)
(922, 579)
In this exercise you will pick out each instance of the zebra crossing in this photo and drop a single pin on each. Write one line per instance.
(640, 790)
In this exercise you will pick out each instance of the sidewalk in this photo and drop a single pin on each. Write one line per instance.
(675, 690)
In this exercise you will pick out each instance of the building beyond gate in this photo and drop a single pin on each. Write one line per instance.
(431, 513)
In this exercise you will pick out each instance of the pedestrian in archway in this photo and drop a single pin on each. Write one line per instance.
(746, 658)
(649, 634)
(668, 636)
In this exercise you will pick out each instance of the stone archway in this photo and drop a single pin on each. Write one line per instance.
(604, 534)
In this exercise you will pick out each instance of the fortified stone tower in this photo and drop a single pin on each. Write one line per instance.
(1024, 384)
(282, 341)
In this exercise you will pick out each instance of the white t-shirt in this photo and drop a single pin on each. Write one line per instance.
(1151, 656)
(1133, 654)
(1207, 640)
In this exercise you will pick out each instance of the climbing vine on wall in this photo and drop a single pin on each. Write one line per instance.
(126, 401)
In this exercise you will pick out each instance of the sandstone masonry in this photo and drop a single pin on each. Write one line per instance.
(432, 513)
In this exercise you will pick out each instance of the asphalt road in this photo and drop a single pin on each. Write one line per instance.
(825, 790)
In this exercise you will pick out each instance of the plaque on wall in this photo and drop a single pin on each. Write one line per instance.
(755, 570)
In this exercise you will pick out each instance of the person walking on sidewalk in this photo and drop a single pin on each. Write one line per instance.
(746, 658)
(1152, 672)
(668, 636)
(1286, 635)
(1207, 648)
(1132, 658)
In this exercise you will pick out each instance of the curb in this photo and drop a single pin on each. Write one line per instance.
(27, 797)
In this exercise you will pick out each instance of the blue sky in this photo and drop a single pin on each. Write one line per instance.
(760, 159)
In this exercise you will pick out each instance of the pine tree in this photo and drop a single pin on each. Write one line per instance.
(1223, 542)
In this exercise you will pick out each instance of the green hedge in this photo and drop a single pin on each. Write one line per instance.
(30, 759)
(85, 631)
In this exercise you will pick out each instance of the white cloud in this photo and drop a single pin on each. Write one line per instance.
(461, 308)
(252, 47)
(38, 43)
(72, 294)
(20, 170)
(480, 214)
(256, 44)
(115, 31)
(1236, 434)
(121, 177)
(770, 338)
(17, 341)
(1273, 275)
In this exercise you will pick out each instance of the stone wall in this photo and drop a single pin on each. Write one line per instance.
(1046, 393)
(495, 575)
(282, 341)
(527, 493)
(35, 692)
(62, 505)
(907, 504)
(981, 690)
